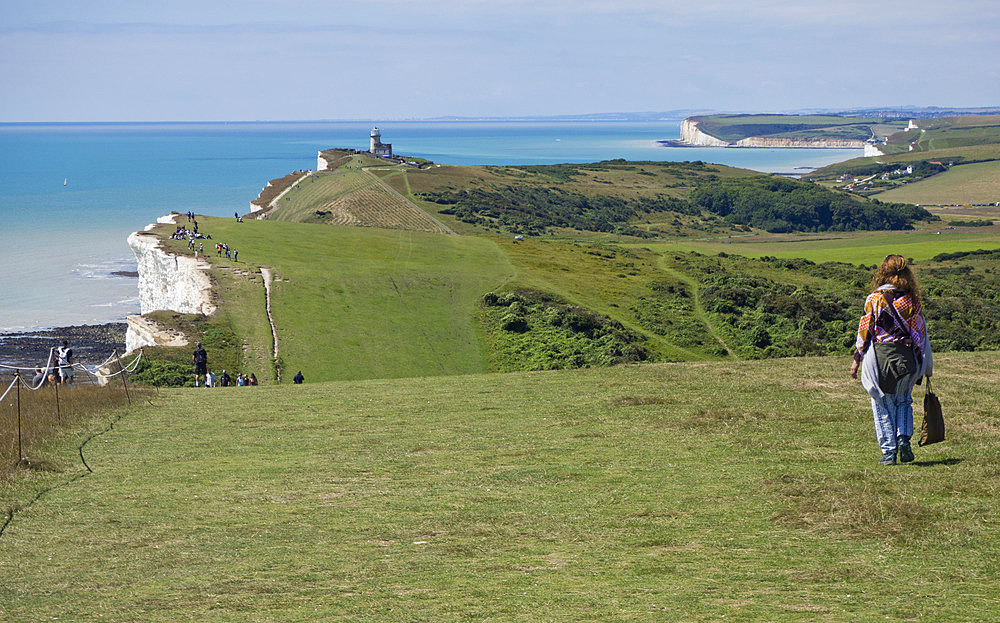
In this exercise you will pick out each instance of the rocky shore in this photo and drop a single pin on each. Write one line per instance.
(91, 344)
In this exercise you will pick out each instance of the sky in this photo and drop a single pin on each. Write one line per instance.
(228, 60)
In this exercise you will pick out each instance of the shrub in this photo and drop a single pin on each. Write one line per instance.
(163, 373)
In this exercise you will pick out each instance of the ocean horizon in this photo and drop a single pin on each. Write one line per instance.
(71, 193)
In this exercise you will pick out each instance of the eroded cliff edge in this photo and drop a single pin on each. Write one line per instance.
(166, 282)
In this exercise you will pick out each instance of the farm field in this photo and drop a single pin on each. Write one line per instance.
(969, 183)
(319, 189)
(744, 490)
(867, 248)
(351, 196)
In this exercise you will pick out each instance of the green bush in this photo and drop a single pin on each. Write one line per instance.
(163, 373)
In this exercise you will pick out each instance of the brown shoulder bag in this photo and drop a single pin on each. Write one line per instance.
(932, 430)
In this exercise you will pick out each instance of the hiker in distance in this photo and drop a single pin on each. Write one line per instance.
(892, 353)
(200, 358)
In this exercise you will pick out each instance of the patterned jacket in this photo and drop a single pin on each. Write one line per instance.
(877, 322)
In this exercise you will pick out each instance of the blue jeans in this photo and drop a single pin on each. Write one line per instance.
(893, 418)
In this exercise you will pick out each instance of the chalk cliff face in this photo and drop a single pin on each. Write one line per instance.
(692, 135)
(166, 282)
(321, 163)
(144, 332)
(799, 143)
(872, 150)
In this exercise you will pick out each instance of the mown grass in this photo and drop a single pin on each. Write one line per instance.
(744, 490)
(967, 183)
(341, 294)
(867, 248)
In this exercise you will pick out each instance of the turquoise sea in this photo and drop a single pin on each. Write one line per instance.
(71, 193)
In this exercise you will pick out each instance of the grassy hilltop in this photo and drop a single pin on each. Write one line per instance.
(637, 493)
(618, 262)
(597, 419)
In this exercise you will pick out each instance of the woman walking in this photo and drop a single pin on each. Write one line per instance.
(893, 353)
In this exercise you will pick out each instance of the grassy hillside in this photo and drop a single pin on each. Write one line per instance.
(968, 147)
(355, 303)
(966, 184)
(744, 490)
(950, 132)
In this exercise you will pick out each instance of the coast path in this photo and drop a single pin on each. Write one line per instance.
(395, 192)
(274, 202)
(699, 311)
(266, 273)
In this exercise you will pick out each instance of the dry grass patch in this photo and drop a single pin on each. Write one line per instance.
(852, 506)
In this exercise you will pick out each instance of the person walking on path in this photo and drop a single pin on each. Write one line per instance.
(64, 357)
(200, 358)
(298, 378)
(893, 353)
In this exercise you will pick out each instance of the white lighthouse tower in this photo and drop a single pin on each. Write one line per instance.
(378, 148)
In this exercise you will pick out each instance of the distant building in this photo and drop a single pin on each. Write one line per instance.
(378, 148)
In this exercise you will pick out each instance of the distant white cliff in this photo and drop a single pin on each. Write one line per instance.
(166, 282)
(692, 135)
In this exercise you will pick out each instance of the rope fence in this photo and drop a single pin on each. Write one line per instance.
(41, 409)
(95, 373)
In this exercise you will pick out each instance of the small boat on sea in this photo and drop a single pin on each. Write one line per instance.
(65, 181)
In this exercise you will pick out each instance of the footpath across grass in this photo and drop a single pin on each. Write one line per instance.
(744, 490)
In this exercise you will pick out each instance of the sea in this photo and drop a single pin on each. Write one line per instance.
(71, 193)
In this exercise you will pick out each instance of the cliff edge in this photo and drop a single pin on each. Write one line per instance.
(693, 136)
(166, 282)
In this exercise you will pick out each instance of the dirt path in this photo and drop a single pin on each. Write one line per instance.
(699, 311)
(274, 202)
(266, 273)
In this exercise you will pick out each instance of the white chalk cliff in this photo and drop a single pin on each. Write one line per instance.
(166, 282)
(692, 135)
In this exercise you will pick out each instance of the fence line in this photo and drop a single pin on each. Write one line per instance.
(97, 374)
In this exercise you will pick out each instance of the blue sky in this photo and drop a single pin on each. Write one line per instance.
(255, 60)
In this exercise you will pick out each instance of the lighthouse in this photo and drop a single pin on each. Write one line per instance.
(378, 148)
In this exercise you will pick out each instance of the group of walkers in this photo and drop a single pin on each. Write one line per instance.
(225, 380)
(223, 248)
(203, 374)
(183, 233)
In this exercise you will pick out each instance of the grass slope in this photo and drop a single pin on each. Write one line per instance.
(969, 183)
(745, 490)
(971, 143)
(368, 303)
(855, 249)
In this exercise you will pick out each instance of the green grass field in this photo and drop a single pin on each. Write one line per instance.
(343, 293)
(868, 248)
(968, 183)
(691, 492)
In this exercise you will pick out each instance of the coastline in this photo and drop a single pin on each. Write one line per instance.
(91, 344)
